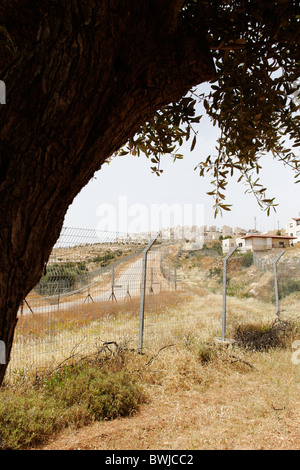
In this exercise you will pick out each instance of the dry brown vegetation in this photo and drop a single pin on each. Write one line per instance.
(203, 395)
(200, 393)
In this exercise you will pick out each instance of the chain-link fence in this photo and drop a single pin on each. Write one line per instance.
(281, 271)
(240, 289)
(104, 287)
(90, 293)
(265, 282)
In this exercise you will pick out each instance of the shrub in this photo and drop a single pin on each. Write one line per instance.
(77, 395)
(105, 259)
(215, 272)
(60, 276)
(264, 337)
(248, 259)
(235, 289)
(203, 353)
(103, 394)
(218, 248)
(287, 287)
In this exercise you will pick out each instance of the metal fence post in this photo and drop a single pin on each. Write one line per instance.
(224, 290)
(143, 291)
(276, 282)
(151, 282)
(112, 295)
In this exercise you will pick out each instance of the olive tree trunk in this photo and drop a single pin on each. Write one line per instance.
(81, 77)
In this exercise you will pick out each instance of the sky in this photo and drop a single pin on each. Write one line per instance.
(125, 196)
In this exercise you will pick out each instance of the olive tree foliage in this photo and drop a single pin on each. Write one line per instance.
(254, 99)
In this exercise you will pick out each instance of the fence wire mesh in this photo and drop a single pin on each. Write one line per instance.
(264, 282)
(91, 291)
(283, 276)
(89, 294)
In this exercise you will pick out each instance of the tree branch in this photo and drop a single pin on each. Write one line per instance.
(169, 11)
(19, 22)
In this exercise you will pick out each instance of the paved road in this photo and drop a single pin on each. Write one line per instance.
(127, 284)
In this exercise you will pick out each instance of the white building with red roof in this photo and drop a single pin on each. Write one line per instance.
(292, 228)
(258, 242)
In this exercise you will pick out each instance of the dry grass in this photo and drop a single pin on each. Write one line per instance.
(235, 399)
(46, 339)
(86, 313)
(201, 394)
(281, 334)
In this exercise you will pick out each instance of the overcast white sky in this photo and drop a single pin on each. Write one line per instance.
(127, 188)
(124, 194)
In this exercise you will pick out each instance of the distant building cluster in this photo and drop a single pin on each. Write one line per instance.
(257, 241)
(292, 228)
(195, 237)
(186, 234)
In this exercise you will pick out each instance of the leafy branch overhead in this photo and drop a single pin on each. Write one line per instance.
(254, 99)
(165, 133)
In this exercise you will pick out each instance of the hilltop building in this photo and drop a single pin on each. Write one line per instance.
(292, 228)
(257, 242)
